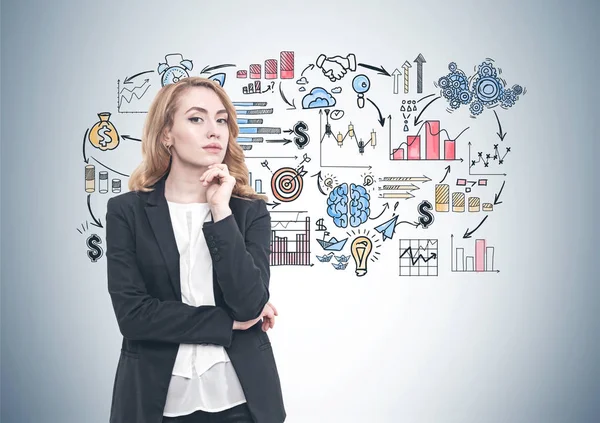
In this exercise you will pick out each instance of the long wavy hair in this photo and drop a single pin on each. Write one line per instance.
(156, 159)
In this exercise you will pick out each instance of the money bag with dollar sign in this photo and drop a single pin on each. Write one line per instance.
(103, 134)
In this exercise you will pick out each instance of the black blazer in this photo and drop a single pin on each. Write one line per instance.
(144, 286)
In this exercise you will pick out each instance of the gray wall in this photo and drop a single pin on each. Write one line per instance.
(521, 345)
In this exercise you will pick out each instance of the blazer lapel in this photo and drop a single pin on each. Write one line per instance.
(159, 217)
(218, 293)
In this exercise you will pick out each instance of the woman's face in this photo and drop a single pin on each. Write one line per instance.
(200, 134)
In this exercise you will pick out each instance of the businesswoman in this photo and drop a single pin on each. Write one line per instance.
(188, 271)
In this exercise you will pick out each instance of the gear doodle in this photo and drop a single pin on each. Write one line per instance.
(476, 108)
(517, 89)
(483, 89)
(465, 97)
(508, 98)
(487, 69)
(487, 89)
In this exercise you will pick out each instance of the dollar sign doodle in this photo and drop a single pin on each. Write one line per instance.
(94, 250)
(301, 139)
(320, 225)
(426, 218)
(104, 136)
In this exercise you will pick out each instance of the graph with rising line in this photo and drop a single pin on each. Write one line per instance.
(415, 149)
(418, 257)
(128, 94)
(290, 239)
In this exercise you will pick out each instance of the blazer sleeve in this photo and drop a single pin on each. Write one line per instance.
(143, 317)
(242, 264)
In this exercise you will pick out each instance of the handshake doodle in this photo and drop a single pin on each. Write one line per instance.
(336, 67)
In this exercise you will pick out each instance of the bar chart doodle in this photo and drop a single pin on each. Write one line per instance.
(286, 68)
(290, 239)
(481, 261)
(363, 206)
(257, 183)
(459, 200)
(418, 257)
(411, 149)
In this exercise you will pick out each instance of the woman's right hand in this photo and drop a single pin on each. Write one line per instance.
(269, 312)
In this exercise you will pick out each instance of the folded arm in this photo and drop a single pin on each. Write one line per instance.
(143, 317)
(242, 265)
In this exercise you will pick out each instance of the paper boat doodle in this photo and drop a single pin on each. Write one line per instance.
(332, 244)
(325, 258)
(339, 266)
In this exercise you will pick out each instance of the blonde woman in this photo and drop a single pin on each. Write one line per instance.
(188, 271)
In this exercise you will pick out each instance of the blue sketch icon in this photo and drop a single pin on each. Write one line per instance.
(484, 89)
(218, 77)
(356, 211)
(361, 85)
(318, 97)
(386, 229)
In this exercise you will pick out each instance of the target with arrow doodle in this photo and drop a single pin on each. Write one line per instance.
(286, 183)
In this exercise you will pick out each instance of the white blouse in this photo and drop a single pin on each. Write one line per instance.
(203, 377)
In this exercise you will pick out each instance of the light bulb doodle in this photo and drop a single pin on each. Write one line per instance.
(361, 249)
(361, 85)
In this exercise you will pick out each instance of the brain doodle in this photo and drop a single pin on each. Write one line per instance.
(354, 208)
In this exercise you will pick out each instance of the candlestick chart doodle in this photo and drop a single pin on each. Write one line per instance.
(443, 171)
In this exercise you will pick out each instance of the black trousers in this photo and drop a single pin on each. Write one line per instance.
(237, 414)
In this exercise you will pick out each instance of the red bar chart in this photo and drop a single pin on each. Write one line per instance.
(481, 260)
(284, 68)
(429, 147)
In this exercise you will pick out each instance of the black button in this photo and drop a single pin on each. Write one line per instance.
(217, 257)
(211, 237)
(212, 243)
(214, 249)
